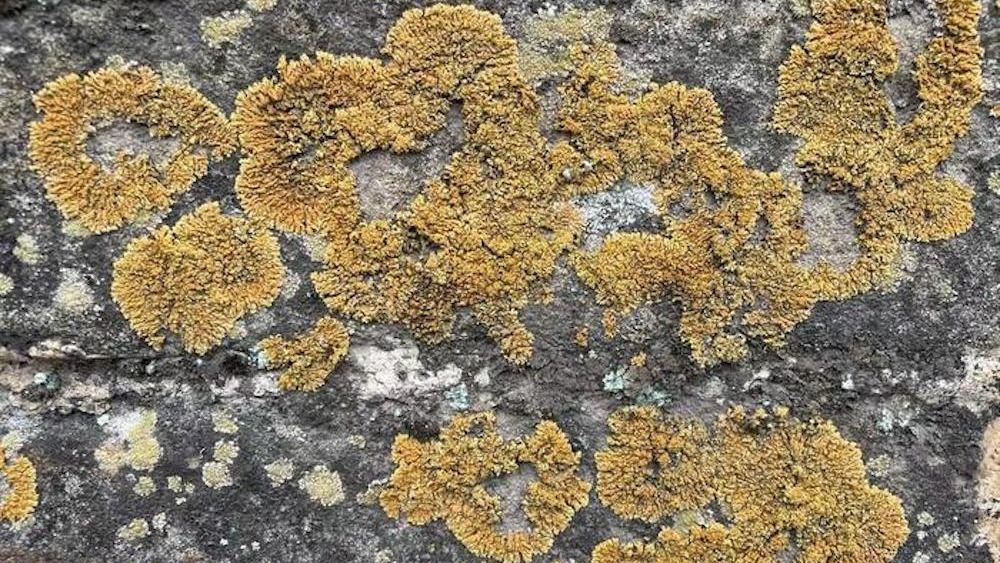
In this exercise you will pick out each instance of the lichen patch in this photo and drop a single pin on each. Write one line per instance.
(103, 198)
(323, 486)
(133, 445)
(73, 295)
(788, 490)
(197, 278)
(280, 471)
(472, 452)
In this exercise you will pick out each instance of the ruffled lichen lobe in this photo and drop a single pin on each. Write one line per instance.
(309, 358)
(74, 107)
(485, 234)
(197, 278)
(733, 237)
(19, 493)
(831, 94)
(444, 479)
(782, 485)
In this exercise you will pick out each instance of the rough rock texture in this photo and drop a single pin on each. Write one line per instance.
(909, 373)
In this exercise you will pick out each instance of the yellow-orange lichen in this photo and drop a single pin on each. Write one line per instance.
(782, 486)
(732, 238)
(197, 278)
(734, 248)
(484, 234)
(445, 479)
(102, 200)
(19, 490)
(310, 357)
(831, 94)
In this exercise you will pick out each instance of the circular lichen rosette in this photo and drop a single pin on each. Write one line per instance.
(103, 197)
(197, 278)
(445, 479)
(483, 235)
(751, 488)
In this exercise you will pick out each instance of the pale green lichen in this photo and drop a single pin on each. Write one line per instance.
(323, 486)
(73, 295)
(216, 475)
(6, 284)
(225, 451)
(135, 530)
(144, 486)
(224, 28)
(224, 423)
(280, 471)
(27, 250)
(135, 445)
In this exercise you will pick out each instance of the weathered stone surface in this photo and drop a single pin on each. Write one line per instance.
(909, 372)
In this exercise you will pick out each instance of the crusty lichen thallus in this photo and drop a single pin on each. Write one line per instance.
(445, 479)
(102, 200)
(486, 233)
(20, 491)
(197, 278)
(483, 235)
(309, 358)
(784, 487)
(733, 235)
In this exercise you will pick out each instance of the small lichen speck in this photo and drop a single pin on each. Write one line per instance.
(135, 530)
(6, 284)
(280, 471)
(144, 486)
(225, 451)
(225, 28)
(458, 397)
(175, 484)
(73, 295)
(224, 424)
(26, 249)
(323, 486)
(216, 475)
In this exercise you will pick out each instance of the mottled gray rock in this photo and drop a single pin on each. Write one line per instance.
(909, 373)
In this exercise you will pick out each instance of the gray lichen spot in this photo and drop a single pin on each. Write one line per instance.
(829, 224)
(625, 207)
(108, 140)
(387, 182)
(510, 489)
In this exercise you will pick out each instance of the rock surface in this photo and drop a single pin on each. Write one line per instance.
(910, 372)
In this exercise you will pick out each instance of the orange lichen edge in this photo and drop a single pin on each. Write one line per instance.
(103, 200)
(831, 94)
(444, 479)
(729, 252)
(197, 278)
(310, 357)
(21, 496)
(731, 233)
(485, 234)
(782, 484)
